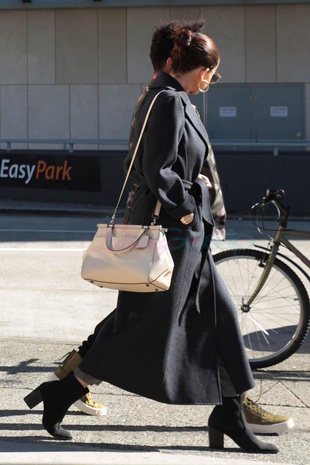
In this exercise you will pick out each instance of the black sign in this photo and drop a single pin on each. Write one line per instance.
(57, 171)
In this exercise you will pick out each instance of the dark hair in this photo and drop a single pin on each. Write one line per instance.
(163, 40)
(193, 49)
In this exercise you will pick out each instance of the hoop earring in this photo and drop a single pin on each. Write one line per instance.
(206, 88)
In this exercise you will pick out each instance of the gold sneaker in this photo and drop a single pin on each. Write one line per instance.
(262, 422)
(86, 404)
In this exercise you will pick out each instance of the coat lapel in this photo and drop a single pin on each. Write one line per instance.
(195, 120)
(164, 80)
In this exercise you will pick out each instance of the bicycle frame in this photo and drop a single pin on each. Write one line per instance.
(279, 239)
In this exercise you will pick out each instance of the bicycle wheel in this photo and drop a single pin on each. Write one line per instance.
(276, 323)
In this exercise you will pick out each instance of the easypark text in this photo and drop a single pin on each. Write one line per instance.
(41, 169)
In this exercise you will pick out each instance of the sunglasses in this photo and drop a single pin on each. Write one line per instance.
(215, 78)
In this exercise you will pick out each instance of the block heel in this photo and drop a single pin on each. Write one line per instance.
(57, 397)
(34, 398)
(216, 439)
(229, 419)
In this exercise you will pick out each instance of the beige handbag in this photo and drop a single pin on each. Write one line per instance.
(126, 257)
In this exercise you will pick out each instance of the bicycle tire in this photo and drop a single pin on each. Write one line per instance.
(278, 320)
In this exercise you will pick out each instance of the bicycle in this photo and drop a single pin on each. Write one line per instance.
(272, 301)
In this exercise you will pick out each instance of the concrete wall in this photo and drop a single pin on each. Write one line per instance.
(76, 73)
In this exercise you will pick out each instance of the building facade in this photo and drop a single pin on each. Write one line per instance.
(74, 70)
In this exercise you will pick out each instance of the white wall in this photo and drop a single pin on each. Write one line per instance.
(76, 73)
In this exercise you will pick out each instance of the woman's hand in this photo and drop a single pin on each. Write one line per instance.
(206, 180)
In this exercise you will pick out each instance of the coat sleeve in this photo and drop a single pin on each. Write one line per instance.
(160, 152)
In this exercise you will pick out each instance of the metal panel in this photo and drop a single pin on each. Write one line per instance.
(265, 112)
(279, 112)
(229, 112)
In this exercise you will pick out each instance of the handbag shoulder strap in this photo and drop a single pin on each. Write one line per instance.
(158, 205)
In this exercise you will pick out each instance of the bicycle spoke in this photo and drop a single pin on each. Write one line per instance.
(275, 320)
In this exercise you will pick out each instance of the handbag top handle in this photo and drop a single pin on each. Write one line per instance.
(158, 205)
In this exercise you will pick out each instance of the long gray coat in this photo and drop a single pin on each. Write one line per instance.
(165, 346)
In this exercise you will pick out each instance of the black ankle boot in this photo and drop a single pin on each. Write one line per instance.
(229, 419)
(57, 397)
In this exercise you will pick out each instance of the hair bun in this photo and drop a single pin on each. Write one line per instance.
(192, 50)
(183, 38)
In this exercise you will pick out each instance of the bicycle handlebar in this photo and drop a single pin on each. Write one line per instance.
(275, 196)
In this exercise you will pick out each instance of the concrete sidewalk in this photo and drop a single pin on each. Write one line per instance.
(39, 456)
(135, 431)
(138, 431)
(77, 457)
(50, 208)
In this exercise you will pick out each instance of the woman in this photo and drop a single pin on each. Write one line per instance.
(182, 346)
